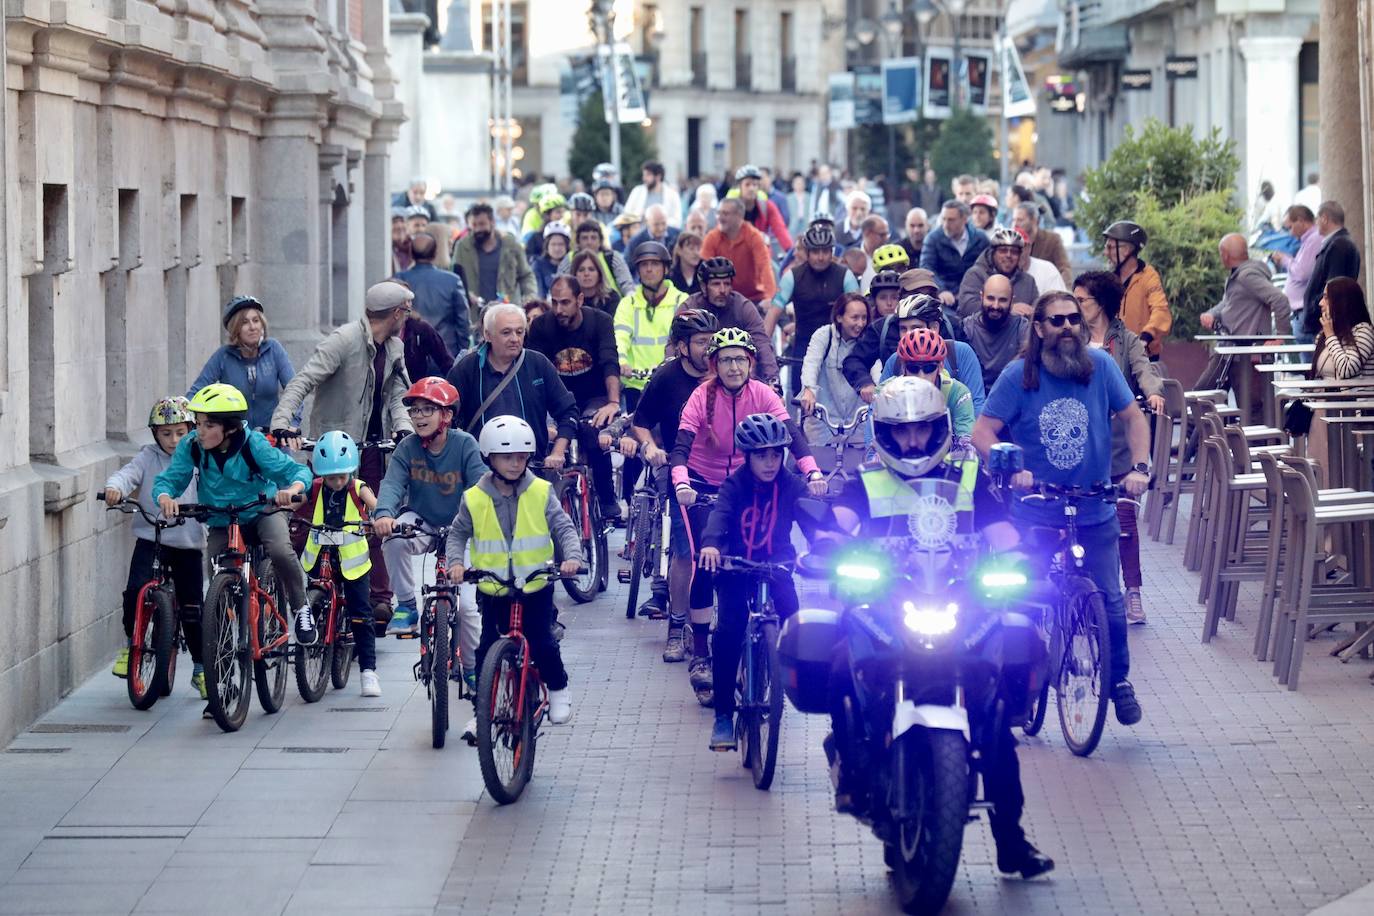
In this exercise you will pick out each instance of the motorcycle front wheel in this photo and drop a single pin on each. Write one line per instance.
(925, 854)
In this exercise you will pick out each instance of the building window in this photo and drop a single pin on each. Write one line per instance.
(739, 142)
(785, 147)
(519, 39)
(1309, 115)
(697, 38)
(744, 64)
(43, 293)
(786, 44)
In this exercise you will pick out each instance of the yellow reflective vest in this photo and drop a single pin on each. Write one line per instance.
(642, 331)
(888, 494)
(530, 546)
(353, 557)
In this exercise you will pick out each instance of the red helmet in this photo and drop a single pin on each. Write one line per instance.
(984, 200)
(922, 345)
(432, 389)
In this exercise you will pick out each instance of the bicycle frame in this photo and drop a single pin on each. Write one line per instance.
(761, 611)
(441, 590)
(254, 599)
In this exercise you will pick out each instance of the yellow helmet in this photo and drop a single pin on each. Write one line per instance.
(890, 256)
(224, 402)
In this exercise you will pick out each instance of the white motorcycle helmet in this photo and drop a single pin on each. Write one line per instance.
(907, 399)
(506, 435)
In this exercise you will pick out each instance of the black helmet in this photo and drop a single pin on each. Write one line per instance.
(717, 268)
(819, 236)
(1123, 230)
(761, 430)
(747, 171)
(652, 251)
(689, 322)
(884, 279)
(238, 304)
(582, 201)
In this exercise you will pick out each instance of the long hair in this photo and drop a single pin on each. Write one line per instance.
(837, 310)
(1348, 308)
(577, 262)
(241, 318)
(685, 237)
(1030, 374)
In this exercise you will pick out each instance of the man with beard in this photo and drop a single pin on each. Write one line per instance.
(654, 191)
(581, 345)
(995, 334)
(493, 263)
(811, 290)
(1144, 308)
(1003, 256)
(715, 282)
(1057, 403)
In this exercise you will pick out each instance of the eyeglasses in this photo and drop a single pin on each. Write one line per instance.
(1083, 300)
(922, 368)
(422, 410)
(1073, 319)
(732, 361)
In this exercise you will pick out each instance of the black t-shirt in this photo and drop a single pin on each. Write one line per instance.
(584, 357)
(987, 506)
(374, 423)
(335, 501)
(660, 407)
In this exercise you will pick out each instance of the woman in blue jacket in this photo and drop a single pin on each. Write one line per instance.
(251, 361)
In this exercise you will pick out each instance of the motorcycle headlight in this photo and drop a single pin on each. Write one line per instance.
(930, 621)
(859, 572)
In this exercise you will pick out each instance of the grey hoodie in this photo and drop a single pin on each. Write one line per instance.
(566, 542)
(970, 299)
(139, 475)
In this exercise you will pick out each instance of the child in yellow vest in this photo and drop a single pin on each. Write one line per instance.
(510, 520)
(340, 500)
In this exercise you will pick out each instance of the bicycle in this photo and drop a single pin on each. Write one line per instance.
(157, 632)
(440, 656)
(839, 439)
(577, 494)
(643, 538)
(758, 681)
(330, 657)
(242, 622)
(1075, 628)
(511, 697)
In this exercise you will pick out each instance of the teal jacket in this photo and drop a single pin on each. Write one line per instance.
(231, 482)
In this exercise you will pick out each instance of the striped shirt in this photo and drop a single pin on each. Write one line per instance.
(1337, 360)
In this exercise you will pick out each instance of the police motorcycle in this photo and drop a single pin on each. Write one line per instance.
(935, 664)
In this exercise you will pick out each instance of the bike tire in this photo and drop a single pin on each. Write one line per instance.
(440, 653)
(341, 659)
(924, 865)
(226, 652)
(1085, 614)
(143, 682)
(583, 588)
(602, 537)
(767, 718)
(1037, 717)
(505, 741)
(269, 674)
(639, 550)
(313, 663)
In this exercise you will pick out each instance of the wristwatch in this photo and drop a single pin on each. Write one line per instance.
(815, 475)
(1141, 467)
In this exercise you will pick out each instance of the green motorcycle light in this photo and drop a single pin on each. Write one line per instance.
(1003, 579)
(858, 571)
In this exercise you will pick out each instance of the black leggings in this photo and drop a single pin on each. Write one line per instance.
(185, 566)
(537, 625)
(733, 591)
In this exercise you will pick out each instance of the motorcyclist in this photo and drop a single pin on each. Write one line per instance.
(912, 435)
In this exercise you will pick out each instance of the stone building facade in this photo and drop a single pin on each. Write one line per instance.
(159, 157)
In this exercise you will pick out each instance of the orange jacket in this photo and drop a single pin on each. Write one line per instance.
(754, 278)
(1145, 309)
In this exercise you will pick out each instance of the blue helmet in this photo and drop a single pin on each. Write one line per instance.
(761, 430)
(335, 453)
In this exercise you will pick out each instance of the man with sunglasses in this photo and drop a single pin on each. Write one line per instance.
(1057, 403)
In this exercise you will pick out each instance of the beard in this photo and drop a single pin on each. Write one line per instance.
(481, 237)
(1067, 356)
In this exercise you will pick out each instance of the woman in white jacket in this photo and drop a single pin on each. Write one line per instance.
(823, 381)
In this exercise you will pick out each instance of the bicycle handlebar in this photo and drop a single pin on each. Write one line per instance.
(129, 507)
(820, 412)
(417, 529)
(384, 445)
(1047, 492)
(549, 572)
(741, 564)
(263, 501)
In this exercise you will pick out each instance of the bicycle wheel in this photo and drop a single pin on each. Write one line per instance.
(1083, 676)
(225, 649)
(269, 673)
(439, 652)
(505, 733)
(602, 536)
(341, 659)
(147, 652)
(1037, 717)
(312, 663)
(767, 718)
(638, 551)
(575, 495)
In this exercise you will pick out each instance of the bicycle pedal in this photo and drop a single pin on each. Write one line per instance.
(407, 635)
(623, 576)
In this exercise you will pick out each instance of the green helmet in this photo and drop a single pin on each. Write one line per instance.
(731, 337)
(551, 202)
(224, 402)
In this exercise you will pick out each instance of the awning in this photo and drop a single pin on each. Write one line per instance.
(1096, 45)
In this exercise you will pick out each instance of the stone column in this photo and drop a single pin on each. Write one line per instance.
(1271, 115)
(405, 43)
(1342, 155)
(377, 182)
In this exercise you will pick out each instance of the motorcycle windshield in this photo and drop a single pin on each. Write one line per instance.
(933, 523)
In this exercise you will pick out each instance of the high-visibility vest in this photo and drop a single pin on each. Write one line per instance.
(353, 557)
(530, 546)
(888, 495)
(648, 327)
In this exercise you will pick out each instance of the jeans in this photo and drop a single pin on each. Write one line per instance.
(371, 468)
(400, 558)
(358, 612)
(1299, 335)
(188, 578)
(537, 625)
(1102, 561)
(272, 532)
(631, 469)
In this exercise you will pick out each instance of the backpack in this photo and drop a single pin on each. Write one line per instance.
(201, 460)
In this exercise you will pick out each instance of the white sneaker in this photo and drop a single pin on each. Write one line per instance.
(470, 731)
(372, 685)
(560, 706)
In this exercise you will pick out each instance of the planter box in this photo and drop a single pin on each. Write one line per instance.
(1184, 360)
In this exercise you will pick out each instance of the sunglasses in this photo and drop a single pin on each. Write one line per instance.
(1073, 319)
(922, 368)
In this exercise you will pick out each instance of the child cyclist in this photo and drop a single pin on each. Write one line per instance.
(235, 465)
(170, 420)
(752, 518)
(340, 500)
(511, 518)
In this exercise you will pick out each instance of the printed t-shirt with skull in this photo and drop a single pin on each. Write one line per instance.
(1066, 430)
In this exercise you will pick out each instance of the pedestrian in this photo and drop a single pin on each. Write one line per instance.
(1345, 346)
(1266, 211)
(1301, 224)
(440, 296)
(255, 364)
(654, 191)
(415, 196)
(1311, 194)
(929, 195)
(1338, 256)
(401, 258)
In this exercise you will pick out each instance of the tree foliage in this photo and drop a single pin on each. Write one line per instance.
(591, 143)
(1183, 248)
(964, 146)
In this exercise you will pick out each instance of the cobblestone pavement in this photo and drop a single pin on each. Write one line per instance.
(1233, 796)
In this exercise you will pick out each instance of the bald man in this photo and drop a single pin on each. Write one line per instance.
(995, 334)
(1250, 305)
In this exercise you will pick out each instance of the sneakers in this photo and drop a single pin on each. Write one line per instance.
(470, 680)
(560, 706)
(404, 621)
(470, 731)
(1029, 863)
(1135, 608)
(306, 632)
(372, 685)
(1127, 709)
(198, 681)
(723, 733)
(121, 665)
(674, 651)
(699, 673)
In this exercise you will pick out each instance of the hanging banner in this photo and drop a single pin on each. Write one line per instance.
(840, 111)
(868, 94)
(901, 90)
(976, 67)
(939, 80)
(1017, 101)
(630, 95)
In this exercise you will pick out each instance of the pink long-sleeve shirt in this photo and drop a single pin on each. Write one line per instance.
(713, 458)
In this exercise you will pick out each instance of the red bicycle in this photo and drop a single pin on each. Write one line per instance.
(511, 697)
(329, 658)
(157, 636)
(243, 621)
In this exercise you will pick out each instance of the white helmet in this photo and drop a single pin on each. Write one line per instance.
(505, 435)
(907, 399)
(557, 228)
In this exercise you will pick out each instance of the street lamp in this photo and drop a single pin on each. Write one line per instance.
(892, 25)
(925, 12)
(955, 9)
(892, 29)
(603, 24)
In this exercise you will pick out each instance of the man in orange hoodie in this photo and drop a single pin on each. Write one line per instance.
(1144, 308)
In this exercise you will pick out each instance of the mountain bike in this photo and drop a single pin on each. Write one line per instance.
(243, 621)
(330, 658)
(157, 634)
(643, 538)
(578, 496)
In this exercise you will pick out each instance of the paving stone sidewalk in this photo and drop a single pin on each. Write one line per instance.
(1233, 796)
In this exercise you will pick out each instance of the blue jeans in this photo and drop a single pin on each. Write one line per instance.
(358, 614)
(1102, 561)
(1299, 335)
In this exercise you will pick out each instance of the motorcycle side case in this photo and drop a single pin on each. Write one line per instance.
(805, 647)
(1014, 648)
